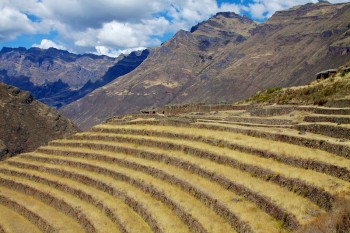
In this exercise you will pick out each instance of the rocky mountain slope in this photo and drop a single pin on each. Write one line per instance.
(26, 124)
(57, 77)
(166, 73)
(225, 59)
(287, 50)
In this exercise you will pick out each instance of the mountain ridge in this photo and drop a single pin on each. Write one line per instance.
(34, 62)
(58, 77)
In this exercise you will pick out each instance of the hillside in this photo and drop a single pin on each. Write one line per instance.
(225, 169)
(57, 77)
(26, 124)
(164, 74)
(226, 59)
(332, 91)
(287, 50)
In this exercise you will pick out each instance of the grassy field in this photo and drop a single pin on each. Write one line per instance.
(267, 169)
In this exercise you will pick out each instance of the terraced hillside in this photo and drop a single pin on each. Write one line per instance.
(261, 169)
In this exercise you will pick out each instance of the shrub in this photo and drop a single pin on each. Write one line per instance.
(309, 91)
(266, 95)
(331, 90)
(272, 90)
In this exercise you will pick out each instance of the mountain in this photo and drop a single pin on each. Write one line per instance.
(287, 50)
(225, 59)
(57, 77)
(65, 95)
(26, 124)
(166, 72)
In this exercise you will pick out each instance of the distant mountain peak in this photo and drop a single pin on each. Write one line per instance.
(323, 2)
(232, 15)
(223, 21)
(228, 14)
(309, 12)
(51, 52)
(8, 49)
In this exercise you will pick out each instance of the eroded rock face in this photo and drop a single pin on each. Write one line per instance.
(26, 124)
(339, 50)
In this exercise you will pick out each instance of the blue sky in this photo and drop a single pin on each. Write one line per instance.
(112, 27)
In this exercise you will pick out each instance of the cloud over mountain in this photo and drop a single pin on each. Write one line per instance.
(46, 44)
(110, 26)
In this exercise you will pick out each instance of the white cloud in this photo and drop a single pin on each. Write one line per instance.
(82, 14)
(13, 23)
(121, 35)
(262, 9)
(45, 44)
(185, 14)
(157, 26)
(116, 25)
(103, 50)
(225, 7)
(258, 10)
(112, 26)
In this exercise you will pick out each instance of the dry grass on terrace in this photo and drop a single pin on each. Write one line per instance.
(193, 173)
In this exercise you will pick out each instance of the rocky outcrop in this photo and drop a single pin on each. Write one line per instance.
(26, 124)
(342, 50)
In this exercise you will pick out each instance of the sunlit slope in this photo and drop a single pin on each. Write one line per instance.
(232, 171)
